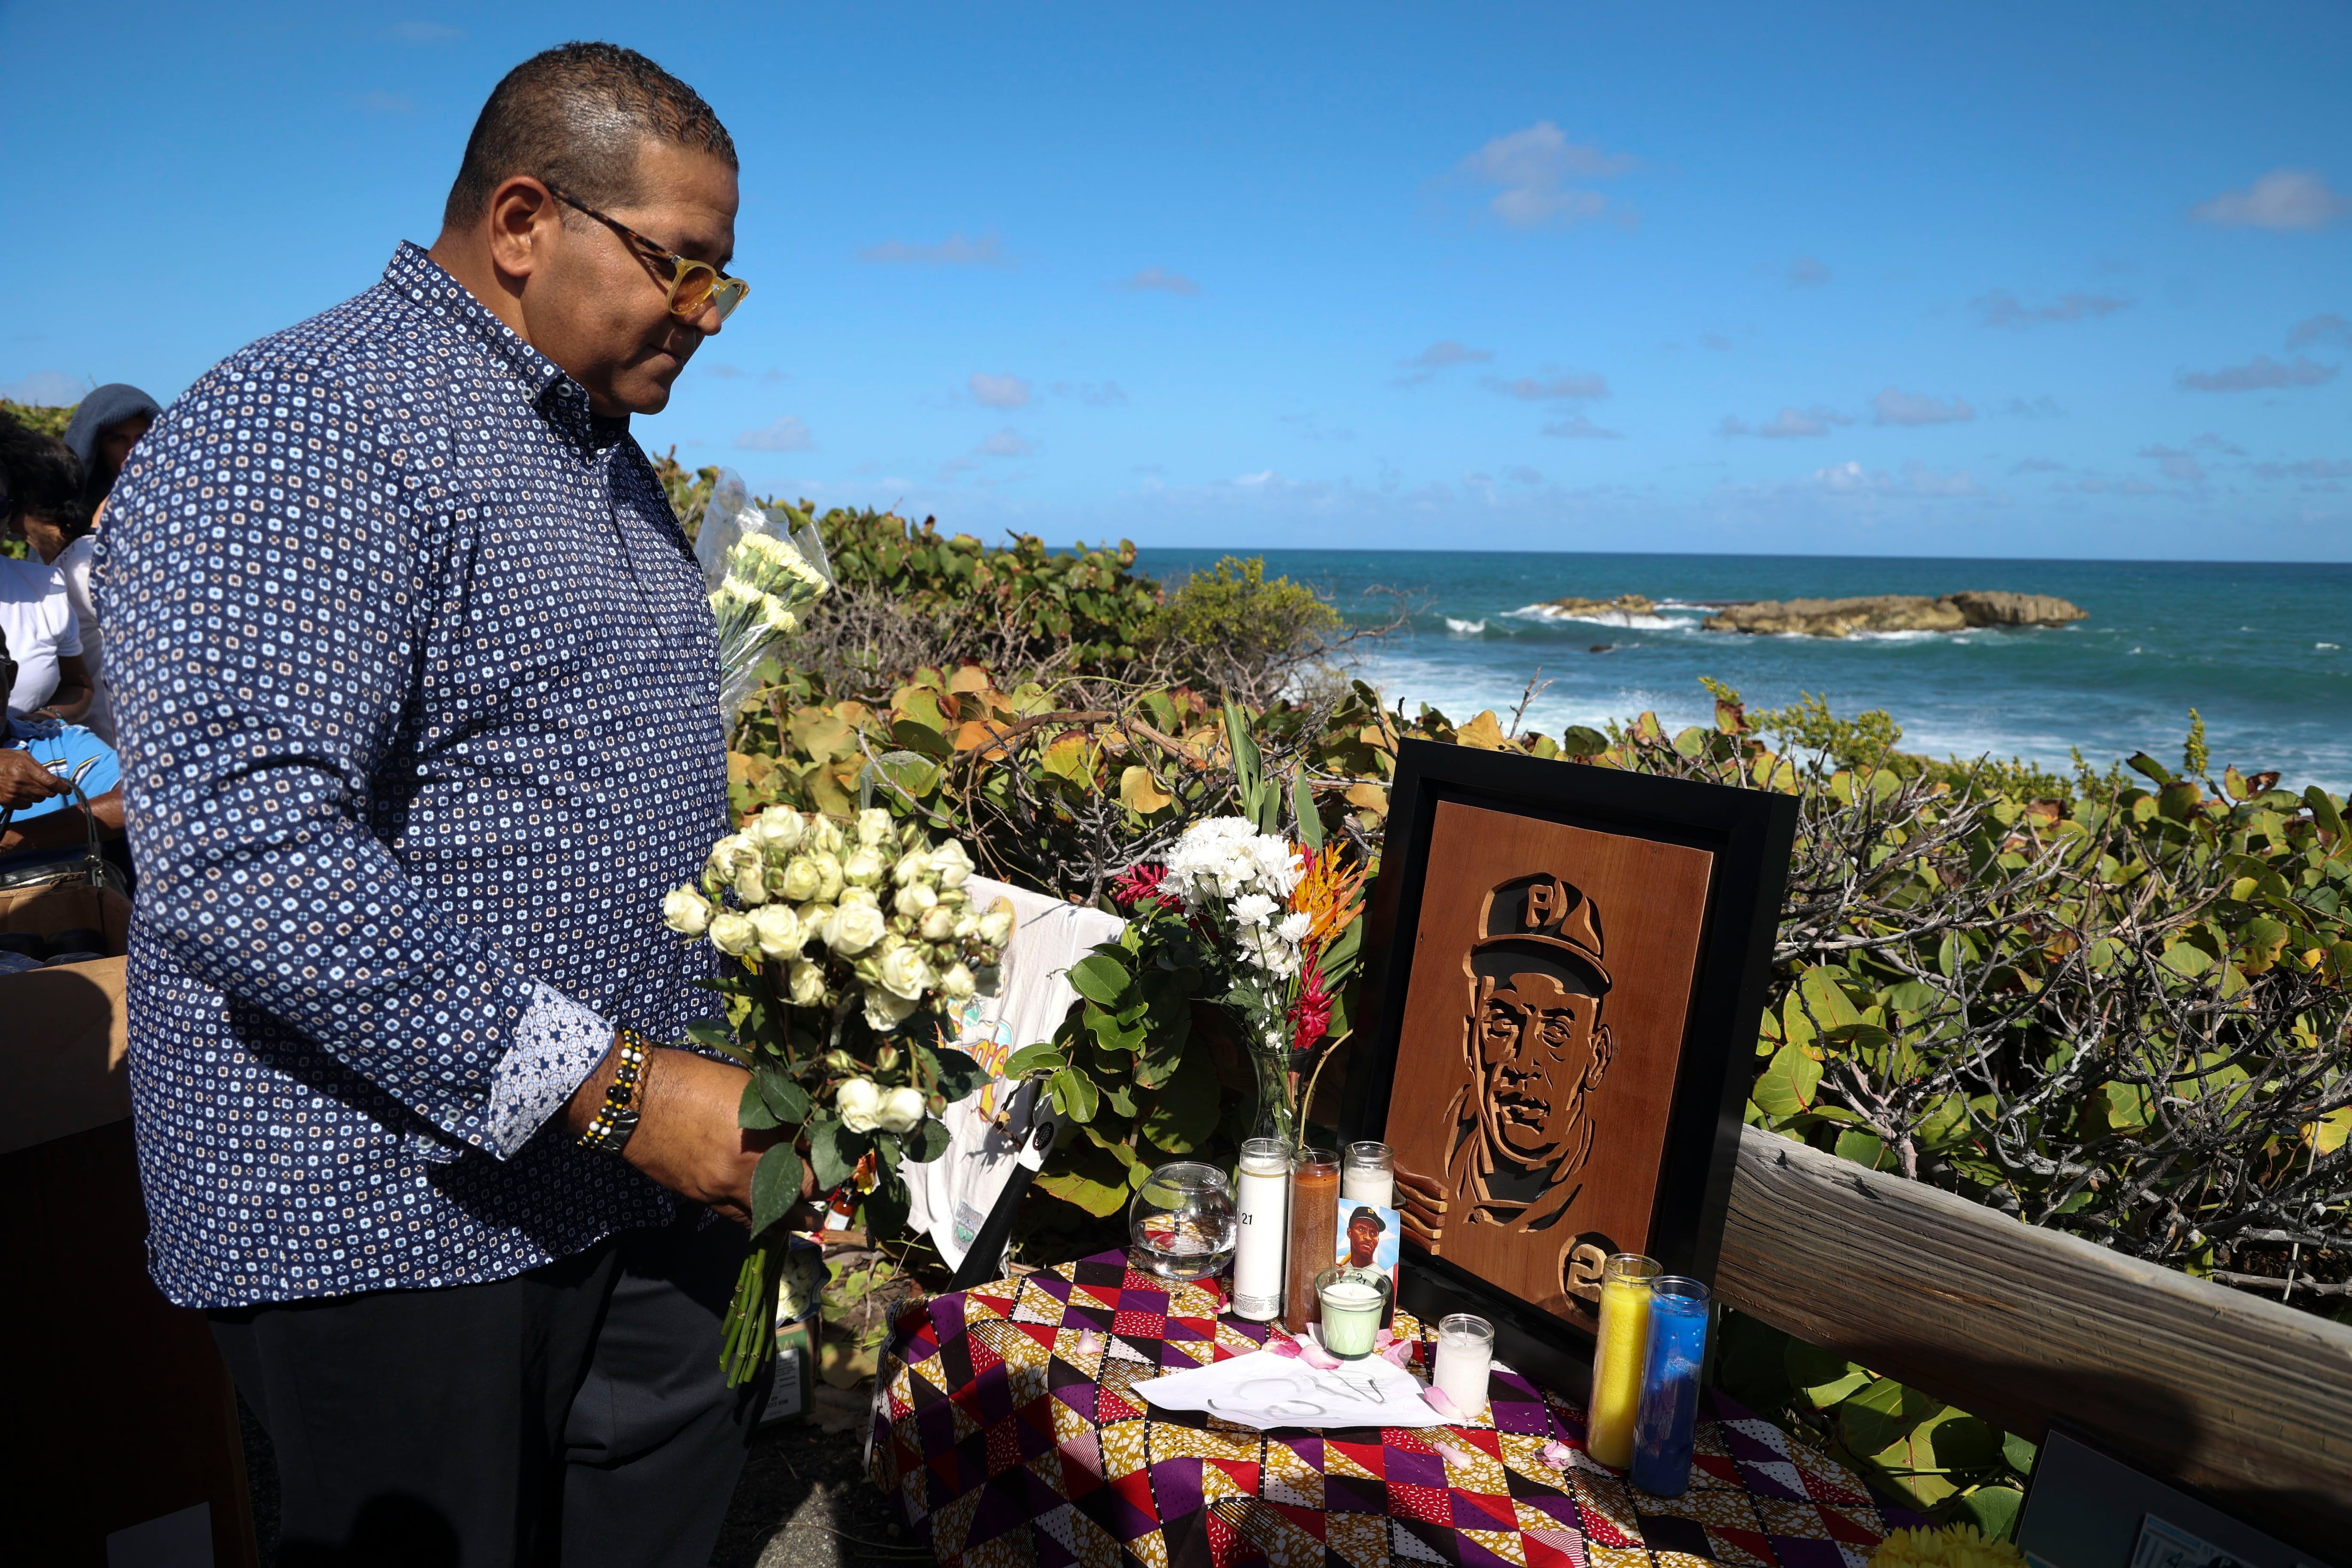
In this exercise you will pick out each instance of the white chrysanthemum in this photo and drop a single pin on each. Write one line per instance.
(685, 911)
(1292, 929)
(1254, 909)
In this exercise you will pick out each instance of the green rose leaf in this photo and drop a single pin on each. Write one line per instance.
(884, 1209)
(926, 1143)
(959, 1075)
(751, 1110)
(786, 1100)
(776, 1186)
(832, 1152)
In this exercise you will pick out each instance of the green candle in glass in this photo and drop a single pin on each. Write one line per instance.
(1354, 1301)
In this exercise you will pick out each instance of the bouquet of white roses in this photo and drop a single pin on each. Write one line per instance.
(764, 567)
(849, 945)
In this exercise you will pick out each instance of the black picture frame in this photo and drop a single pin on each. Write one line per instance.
(1751, 834)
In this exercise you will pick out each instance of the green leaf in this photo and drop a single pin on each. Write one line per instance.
(2148, 766)
(1100, 979)
(776, 1186)
(1863, 1149)
(751, 1110)
(1787, 1084)
(1074, 1095)
(1875, 1418)
(2323, 812)
(2019, 1453)
(1108, 1032)
(1992, 1509)
(1964, 1443)
(1302, 805)
(927, 1143)
(1097, 1197)
(884, 1208)
(1824, 1377)
(712, 1032)
(1185, 1112)
(786, 1100)
(958, 1075)
(832, 1152)
(1861, 1037)
(1043, 1057)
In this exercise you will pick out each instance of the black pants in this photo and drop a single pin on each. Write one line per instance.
(572, 1414)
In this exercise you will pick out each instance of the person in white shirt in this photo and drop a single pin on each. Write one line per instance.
(39, 615)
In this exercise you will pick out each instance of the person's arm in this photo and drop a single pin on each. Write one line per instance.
(70, 702)
(24, 781)
(66, 825)
(263, 637)
(687, 1138)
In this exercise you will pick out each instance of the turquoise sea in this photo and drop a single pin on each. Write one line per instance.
(2264, 652)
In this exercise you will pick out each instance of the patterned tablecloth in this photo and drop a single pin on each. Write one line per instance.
(1005, 1423)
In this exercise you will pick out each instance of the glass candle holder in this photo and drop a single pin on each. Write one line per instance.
(1353, 1300)
(1181, 1221)
(1314, 1228)
(1465, 1356)
(1264, 1205)
(1619, 1357)
(1669, 1417)
(1368, 1176)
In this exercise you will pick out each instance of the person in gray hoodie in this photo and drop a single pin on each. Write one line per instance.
(104, 428)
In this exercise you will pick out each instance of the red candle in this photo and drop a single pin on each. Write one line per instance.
(1314, 1231)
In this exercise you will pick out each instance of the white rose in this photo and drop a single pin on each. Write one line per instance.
(902, 1110)
(863, 869)
(914, 866)
(780, 830)
(732, 854)
(801, 879)
(885, 1012)
(938, 924)
(966, 924)
(904, 974)
(958, 984)
(779, 930)
(859, 1103)
(996, 925)
(816, 923)
(685, 911)
(874, 828)
(855, 928)
(824, 836)
(915, 901)
(828, 879)
(732, 933)
(865, 896)
(752, 884)
(806, 987)
(952, 863)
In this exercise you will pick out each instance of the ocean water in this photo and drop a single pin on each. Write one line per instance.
(2264, 652)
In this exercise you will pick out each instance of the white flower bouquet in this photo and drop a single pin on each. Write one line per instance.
(850, 943)
(764, 566)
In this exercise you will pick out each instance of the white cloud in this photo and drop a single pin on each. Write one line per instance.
(2330, 328)
(998, 391)
(1790, 424)
(1443, 354)
(1715, 340)
(953, 251)
(2228, 448)
(1533, 166)
(2284, 199)
(1160, 278)
(2002, 308)
(2044, 407)
(2176, 464)
(1532, 390)
(785, 435)
(1894, 407)
(1005, 443)
(1577, 427)
(2261, 374)
(45, 389)
(1808, 272)
(2308, 468)
(1851, 478)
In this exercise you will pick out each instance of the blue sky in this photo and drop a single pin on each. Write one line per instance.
(2007, 280)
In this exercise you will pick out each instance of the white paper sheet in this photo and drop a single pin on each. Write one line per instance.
(1266, 1391)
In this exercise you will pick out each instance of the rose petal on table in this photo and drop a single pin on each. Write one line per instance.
(1437, 1400)
(1558, 1455)
(1090, 1343)
(1397, 1353)
(1281, 1345)
(1312, 1353)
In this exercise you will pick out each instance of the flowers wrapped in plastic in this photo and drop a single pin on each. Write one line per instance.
(850, 943)
(763, 566)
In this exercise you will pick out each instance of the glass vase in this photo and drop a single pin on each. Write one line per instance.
(1275, 1117)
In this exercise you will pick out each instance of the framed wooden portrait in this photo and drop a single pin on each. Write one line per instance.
(1566, 968)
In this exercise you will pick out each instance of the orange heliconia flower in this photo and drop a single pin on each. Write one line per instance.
(1330, 891)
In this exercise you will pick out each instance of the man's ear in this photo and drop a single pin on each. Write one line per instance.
(1603, 1048)
(523, 221)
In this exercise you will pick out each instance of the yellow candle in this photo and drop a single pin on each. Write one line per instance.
(1620, 1353)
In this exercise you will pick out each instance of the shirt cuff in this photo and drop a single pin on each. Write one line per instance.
(555, 1048)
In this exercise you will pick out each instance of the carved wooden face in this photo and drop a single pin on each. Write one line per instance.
(1535, 1044)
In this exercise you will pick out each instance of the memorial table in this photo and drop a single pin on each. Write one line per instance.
(1006, 1426)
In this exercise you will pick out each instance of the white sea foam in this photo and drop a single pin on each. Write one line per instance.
(2328, 646)
(1465, 628)
(1626, 619)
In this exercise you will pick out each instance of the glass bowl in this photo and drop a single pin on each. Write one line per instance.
(1181, 1221)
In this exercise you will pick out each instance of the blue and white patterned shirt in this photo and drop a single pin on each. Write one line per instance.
(419, 687)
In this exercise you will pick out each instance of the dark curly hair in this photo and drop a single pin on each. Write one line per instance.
(41, 478)
(573, 116)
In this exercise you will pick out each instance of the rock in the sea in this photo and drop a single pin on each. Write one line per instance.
(1840, 617)
(1581, 609)
(1893, 612)
(2005, 609)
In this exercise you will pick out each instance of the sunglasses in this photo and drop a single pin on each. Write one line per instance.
(694, 286)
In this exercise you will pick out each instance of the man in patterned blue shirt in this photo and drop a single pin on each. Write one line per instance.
(384, 592)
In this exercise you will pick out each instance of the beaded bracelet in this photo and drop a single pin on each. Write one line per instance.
(617, 1117)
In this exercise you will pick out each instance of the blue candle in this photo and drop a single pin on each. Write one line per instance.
(1664, 1431)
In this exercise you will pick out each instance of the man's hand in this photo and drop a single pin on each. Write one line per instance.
(686, 1137)
(24, 782)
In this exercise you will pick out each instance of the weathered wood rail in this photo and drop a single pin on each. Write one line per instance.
(2245, 1401)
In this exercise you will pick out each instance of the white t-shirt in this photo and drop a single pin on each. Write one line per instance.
(38, 621)
(73, 563)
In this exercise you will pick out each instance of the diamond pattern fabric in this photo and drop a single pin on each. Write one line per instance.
(1006, 1426)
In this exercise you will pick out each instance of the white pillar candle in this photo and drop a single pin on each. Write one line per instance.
(1466, 1355)
(1265, 1203)
(1368, 1176)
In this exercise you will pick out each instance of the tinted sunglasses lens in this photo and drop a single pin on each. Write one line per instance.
(729, 295)
(692, 295)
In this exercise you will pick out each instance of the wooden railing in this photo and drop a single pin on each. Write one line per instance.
(2245, 1401)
